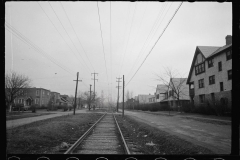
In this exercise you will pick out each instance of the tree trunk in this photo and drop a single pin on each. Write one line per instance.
(10, 107)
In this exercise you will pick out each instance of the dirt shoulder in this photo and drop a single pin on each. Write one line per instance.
(25, 115)
(146, 139)
(46, 136)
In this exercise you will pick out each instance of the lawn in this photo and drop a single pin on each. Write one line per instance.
(45, 136)
(19, 115)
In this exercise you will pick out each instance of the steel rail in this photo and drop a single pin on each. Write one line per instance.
(69, 151)
(124, 142)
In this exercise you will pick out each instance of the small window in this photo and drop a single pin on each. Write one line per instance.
(212, 80)
(202, 98)
(229, 74)
(229, 55)
(37, 92)
(210, 63)
(219, 66)
(200, 68)
(201, 83)
(221, 86)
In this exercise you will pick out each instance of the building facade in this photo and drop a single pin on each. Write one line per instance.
(30, 96)
(210, 76)
(160, 92)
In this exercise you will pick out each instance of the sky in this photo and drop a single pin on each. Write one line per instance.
(51, 41)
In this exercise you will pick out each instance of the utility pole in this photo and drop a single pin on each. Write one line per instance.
(118, 91)
(90, 97)
(94, 87)
(123, 98)
(76, 94)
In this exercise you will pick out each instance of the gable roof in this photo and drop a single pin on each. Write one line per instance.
(162, 88)
(220, 50)
(207, 50)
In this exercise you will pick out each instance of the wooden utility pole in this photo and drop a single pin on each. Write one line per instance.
(118, 92)
(90, 97)
(75, 94)
(123, 98)
(94, 87)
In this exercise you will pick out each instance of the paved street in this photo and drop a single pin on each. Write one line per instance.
(22, 121)
(212, 136)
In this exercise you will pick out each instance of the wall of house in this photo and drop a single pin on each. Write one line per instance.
(220, 76)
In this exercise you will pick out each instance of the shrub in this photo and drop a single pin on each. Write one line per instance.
(187, 108)
(34, 107)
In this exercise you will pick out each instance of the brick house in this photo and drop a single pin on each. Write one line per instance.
(30, 96)
(210, 76)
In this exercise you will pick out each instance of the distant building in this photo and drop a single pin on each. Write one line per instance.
(30, 96)
(144, 99)
(210, 76)
(55, 98)
(177, 93)
(151, 99)
(160, 92)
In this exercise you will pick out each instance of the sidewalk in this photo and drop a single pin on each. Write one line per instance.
(190, 115)
(22, 121)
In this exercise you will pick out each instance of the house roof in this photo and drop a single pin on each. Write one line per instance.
(207, 52)
(161, 88)
(220, 49)
(183, 88)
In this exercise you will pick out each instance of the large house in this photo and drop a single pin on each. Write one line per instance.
(210, 76)
(177, 93)
(30, 96)
(144, 99)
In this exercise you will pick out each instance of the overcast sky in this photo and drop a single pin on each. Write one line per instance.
(51, 41)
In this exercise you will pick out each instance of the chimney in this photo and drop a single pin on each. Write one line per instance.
(228, 39)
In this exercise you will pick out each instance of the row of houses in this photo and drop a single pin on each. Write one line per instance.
(41, 97)
(209, 80)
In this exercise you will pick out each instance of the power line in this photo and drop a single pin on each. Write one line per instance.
(38, 49)
(68, 34)
(102, 40)
(128, 37)
(155, 43)
(76, 35)
(111, 46)
(145, 42)
(56, 29)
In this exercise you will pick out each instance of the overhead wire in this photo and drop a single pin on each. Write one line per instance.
(128, 38)
(76, 35)
(145, 42)
(155, 43)
(34, 46)
(56, 28)
(102, 40)
(68, 35)
(111, 46)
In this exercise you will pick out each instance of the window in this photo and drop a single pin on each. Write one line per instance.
(210, 63)
(219, 66)
(200, 68)
(201, 83)
(157, 96)
(202, 98)
(221, 86)
(229, 74)
(212, 80)
(37, 92)
(229, 55)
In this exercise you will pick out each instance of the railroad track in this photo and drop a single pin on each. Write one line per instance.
(103, 137)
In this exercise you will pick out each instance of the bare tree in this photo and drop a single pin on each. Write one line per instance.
(91, 101)
(176, 86)
(14, 83)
